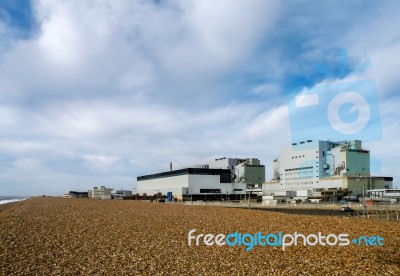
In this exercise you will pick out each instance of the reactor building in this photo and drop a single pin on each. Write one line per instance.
(220, 179)
(327, 169)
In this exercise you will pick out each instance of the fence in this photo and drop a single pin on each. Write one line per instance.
(388, 215)
(376, 211)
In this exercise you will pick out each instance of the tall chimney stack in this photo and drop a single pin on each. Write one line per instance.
(170, 166)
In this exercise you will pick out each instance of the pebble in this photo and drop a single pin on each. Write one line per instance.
(57, 236)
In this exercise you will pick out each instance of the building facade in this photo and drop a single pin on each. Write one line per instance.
(100, 193)
(121, 194)
(245, 170)
(192, 184)
(324, 169)
(306, 164)
(75, 194)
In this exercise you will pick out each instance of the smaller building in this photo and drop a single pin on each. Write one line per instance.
(245, 170)
(384, 195)
(251, 172)
(121, 194)
(75, 194)
(100, 193)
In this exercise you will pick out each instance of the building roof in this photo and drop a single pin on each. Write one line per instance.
(186, 171)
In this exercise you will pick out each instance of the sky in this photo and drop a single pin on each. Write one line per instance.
(100, 92)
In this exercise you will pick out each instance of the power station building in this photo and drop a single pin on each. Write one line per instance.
(324, 168)
(247, 170)
(221, 178)
(192, 184)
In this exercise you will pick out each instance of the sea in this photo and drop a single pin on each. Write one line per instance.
(8, 199)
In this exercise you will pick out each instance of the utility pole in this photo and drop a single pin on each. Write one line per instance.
(249, 196)
(365, 177)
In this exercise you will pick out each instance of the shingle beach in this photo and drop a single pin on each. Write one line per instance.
(56, 236)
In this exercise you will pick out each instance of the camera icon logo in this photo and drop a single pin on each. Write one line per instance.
(336, 111)
(359, 103)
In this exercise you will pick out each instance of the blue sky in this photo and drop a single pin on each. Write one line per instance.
(99, 92)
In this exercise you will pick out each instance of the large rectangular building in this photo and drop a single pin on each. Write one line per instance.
(324, 167)
(307, 163)
(192, 184)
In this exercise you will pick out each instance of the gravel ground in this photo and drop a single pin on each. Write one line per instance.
(55, 236)
(7, 205)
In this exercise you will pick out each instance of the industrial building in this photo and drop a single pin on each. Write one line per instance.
(75, 194)
(100, 193)
(324, 170)
(192, 184)
(120, 194)
(247, 170)
(220, 179)
(384, 195)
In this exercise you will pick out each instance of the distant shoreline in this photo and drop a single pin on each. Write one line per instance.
(8, 205)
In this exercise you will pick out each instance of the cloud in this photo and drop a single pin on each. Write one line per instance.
(97, 93)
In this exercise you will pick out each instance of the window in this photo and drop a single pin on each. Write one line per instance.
(210, 191)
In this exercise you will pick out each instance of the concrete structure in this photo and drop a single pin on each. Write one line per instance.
(74, 194)
(192, 184)
(324, 169)
(276, 175)
(385, 195)
(120, 194)
(245, 170)
(251, 172)
(225, 163)
(303, 165)
(100, 193)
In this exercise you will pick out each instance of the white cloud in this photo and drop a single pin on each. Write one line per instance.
(270, 124)
(104, 91)
(100, 161)
(224, 33)
(386, 62)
